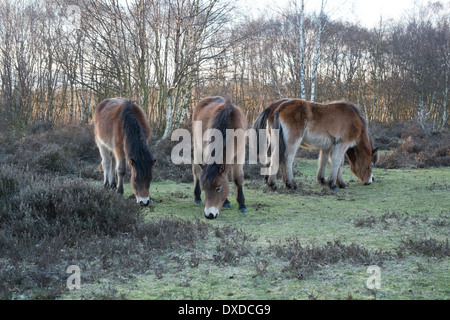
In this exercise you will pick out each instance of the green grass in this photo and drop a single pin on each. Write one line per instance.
(402, 205)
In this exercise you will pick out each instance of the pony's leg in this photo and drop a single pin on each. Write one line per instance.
(112, 173)
(237, 174)
(337, 157)
(340, 180)
(227, 204)
(282, 169)
(196, 170)
(105, 153)
(266, 158)
(323, 159)
(121, 168)
(271, 178)
(288, 174)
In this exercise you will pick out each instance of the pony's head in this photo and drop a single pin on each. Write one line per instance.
(362, 160)
(214, 181)
(141, 176)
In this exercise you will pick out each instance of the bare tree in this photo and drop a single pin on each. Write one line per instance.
(321, 22)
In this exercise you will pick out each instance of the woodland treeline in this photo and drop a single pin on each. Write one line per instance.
(59, 58)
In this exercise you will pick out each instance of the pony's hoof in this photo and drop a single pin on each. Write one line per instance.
(273, 186)
(198, 201)
(343, 186)
(243, 210)
(292, 186)
(332, 186)
(228, 205)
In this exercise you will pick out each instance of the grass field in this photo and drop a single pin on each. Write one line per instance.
(305, 244)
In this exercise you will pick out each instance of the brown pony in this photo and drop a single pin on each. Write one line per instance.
(336, 129)
(122, 134)
(219, 114)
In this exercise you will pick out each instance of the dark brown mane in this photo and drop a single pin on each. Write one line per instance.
(136, 141)
(221, 122)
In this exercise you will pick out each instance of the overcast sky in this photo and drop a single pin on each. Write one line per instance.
(366, 12)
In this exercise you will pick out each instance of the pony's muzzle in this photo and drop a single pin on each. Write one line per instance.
(370, 181)
(143, 201)
(211, 213)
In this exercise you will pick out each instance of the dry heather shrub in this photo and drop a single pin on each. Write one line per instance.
(62, 150)
(411, 145)
(304, 260)
(166, 233)
(427, 247)
(35, 207)
(419, 150)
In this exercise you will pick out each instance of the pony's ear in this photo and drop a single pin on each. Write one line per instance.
(221, 168)
(132, 162)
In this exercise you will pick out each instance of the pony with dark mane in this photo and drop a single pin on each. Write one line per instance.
(336, 129)
(122, 134)
(218, 114)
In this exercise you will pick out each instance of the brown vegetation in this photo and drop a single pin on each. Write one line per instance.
(413, 147)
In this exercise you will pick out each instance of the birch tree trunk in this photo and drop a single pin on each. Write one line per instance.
(444, 111)
(321, 24)
(169, 115)
(301, 18)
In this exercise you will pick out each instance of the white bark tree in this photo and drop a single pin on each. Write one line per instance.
(301, 18)
(321, 22)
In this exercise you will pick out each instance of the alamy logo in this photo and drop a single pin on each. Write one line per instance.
(374, 281)
(209, 147)
(74, 280)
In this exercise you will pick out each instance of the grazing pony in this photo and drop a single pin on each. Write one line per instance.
(336, 129)
(219, 114)
(122, 134)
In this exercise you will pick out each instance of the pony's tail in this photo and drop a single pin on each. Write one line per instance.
(261, 123)
(281, 143)
(261, 120)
